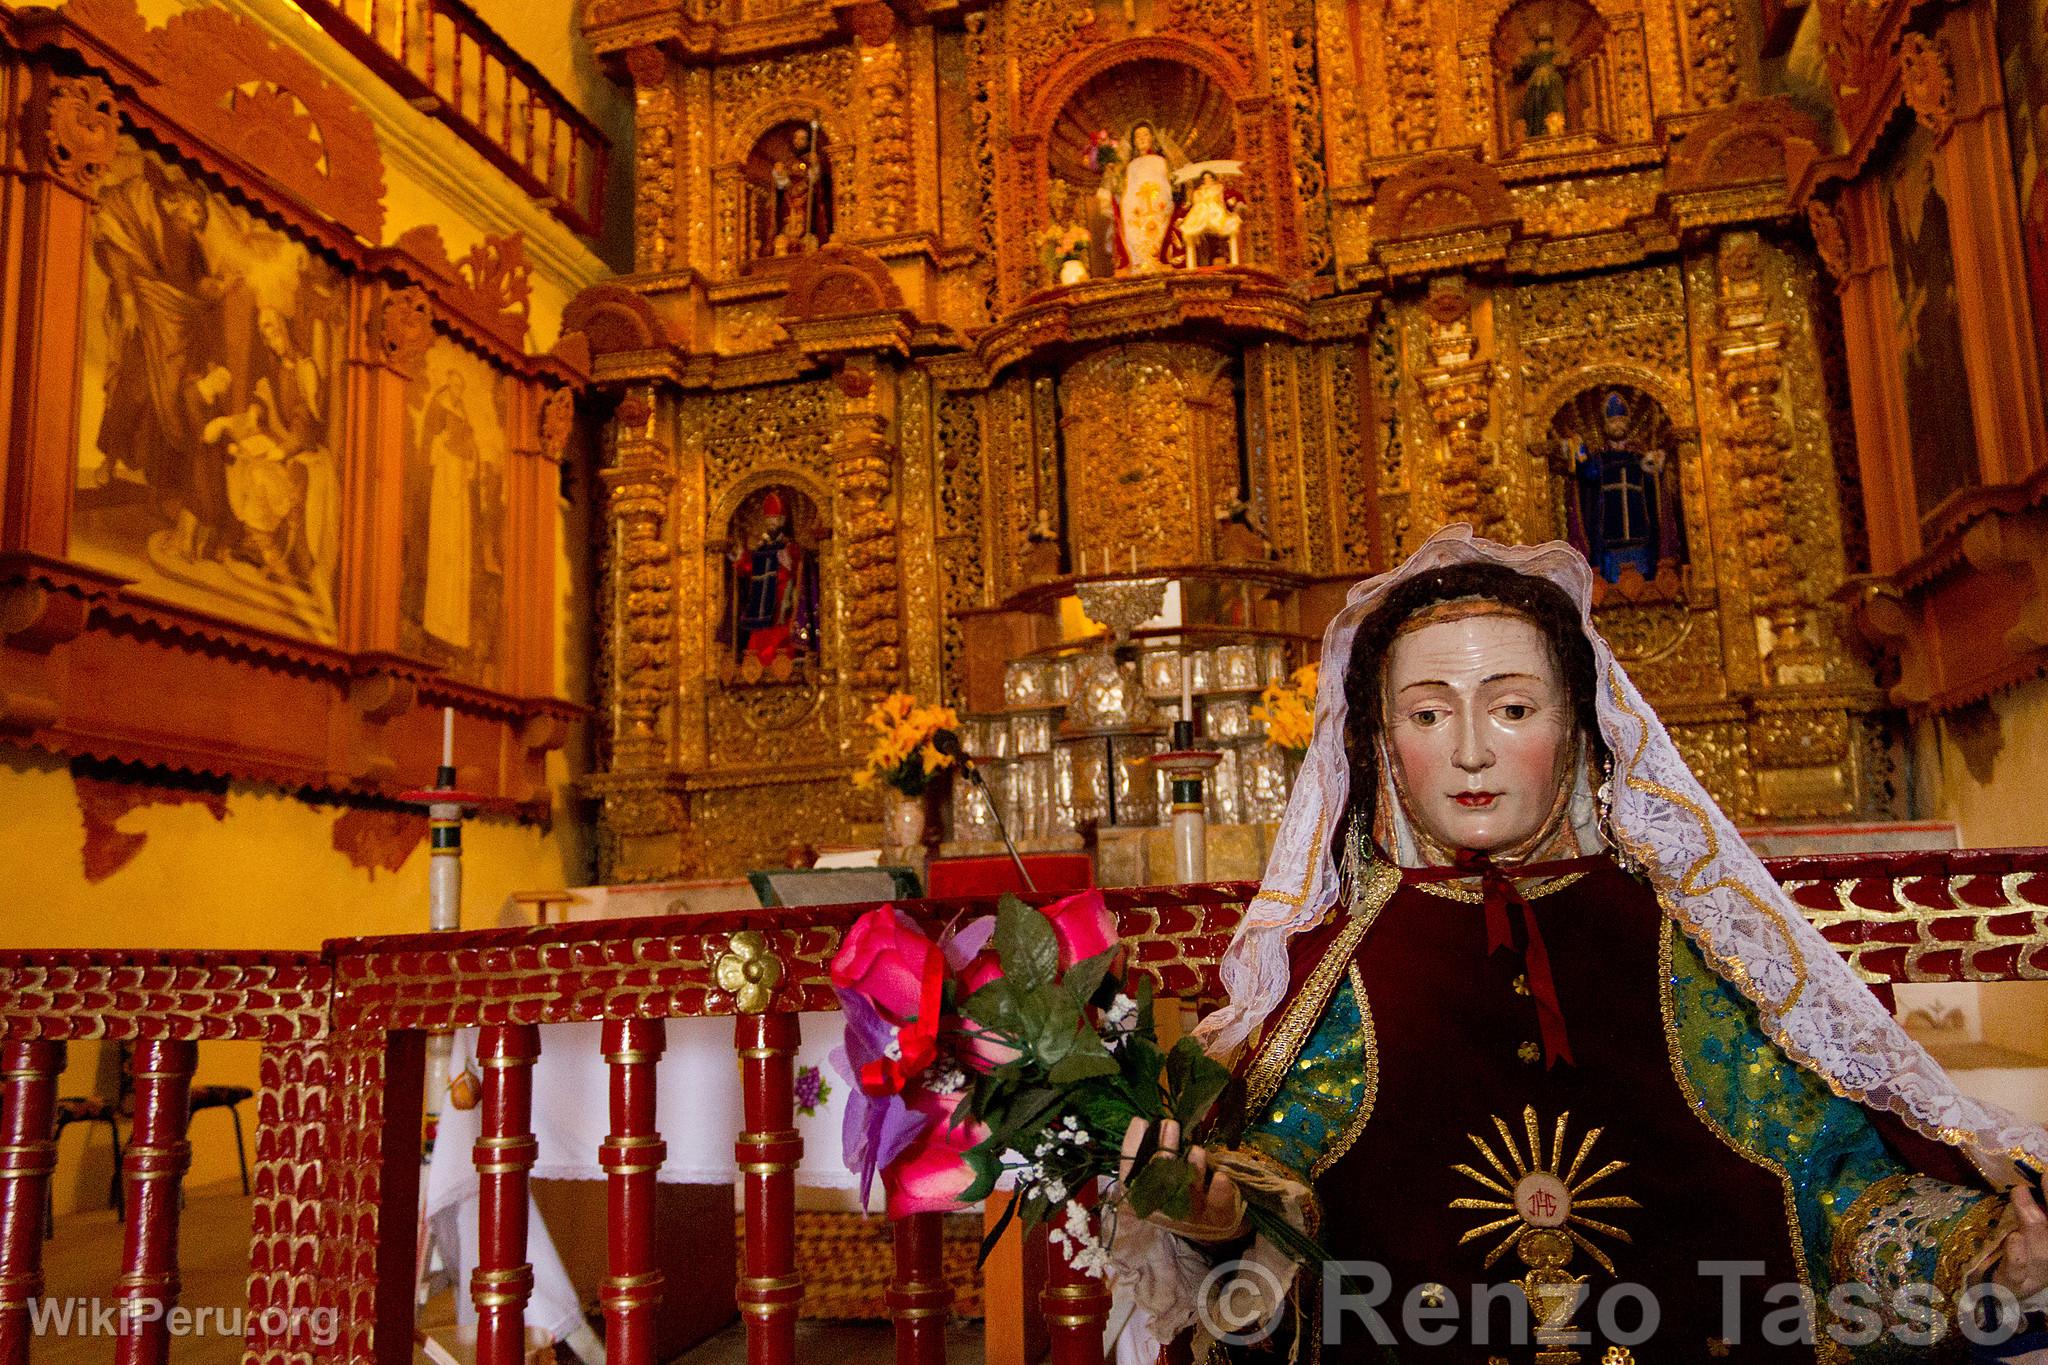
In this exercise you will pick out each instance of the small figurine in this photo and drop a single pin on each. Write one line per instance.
(1214, 210)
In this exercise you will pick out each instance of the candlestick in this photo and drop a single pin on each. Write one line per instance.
(447, 736)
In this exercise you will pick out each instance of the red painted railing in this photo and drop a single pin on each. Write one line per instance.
(450, 64)
(343, 1041)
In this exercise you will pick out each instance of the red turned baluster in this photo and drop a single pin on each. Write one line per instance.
(630, 1155)
(768, 1152)
(28, 1153)
(919, 1297)
(1076, 1304)
(504, 1153)
(154, 1164)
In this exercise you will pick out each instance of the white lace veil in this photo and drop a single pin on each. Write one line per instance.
(1808, 999)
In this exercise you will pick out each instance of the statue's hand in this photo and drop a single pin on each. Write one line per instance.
(2023, 1261)
(1218, 1213)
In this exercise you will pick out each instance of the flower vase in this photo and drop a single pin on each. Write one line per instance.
(903, 821)
(1073, 270)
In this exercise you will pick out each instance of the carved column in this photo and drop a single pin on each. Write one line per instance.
(885, 123)
(643, 812)
(28, 1155)
(46, 204)
(394, 328)
(1952, 84)
(654, 159)
(1457, 391)
(1748, 355)
(863, 464)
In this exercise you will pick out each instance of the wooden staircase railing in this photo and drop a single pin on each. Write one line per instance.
(343, 1041)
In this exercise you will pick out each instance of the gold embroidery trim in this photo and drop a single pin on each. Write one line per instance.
(1668, 1007)
(1469, 895)
(1282, 1047)
(1686, 884)
(1963, 1248)
(1879, 1195)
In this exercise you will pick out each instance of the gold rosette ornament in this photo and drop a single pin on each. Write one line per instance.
(749, 971)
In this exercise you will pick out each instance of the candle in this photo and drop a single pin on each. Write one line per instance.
(1134, 559)
(447, 736)
(1187, 686)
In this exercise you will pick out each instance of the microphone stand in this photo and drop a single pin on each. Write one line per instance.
(973, 771)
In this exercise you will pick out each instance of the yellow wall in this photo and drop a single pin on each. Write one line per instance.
(1981, 767)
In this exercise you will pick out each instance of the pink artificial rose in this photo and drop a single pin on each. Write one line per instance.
(982, 1053)
(883, 957)
(1083, 925)
(931, 1173)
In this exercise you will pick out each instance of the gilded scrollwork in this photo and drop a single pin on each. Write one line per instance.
(80, 131)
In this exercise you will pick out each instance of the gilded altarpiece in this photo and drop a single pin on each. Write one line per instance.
(1008, 368)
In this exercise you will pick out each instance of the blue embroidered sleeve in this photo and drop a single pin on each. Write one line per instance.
(1863, 1216)
(1325, 1096)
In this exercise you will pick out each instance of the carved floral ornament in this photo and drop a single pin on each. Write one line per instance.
(749, 971)
(1929, 82)
(81, 131)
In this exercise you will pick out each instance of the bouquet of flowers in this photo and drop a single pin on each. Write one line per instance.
(1064, 242)
(1010, 1049)
(903, 755)
(1288, 710)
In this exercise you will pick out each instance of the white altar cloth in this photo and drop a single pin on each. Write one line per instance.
(697, 1112)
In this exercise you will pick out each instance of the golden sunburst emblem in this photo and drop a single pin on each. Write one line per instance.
(1539, 1192)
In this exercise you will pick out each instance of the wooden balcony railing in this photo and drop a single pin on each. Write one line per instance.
(449, 63)
(343, 1036)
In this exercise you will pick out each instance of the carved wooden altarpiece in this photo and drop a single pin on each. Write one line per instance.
(228, 407)
(1420, 294)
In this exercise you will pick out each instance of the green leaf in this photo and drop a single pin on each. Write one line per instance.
(1060, 1029)
(1163, 1184)
(1193, 1080)
(1080, 1066)
(984, 1160)
(993, 1006)
(1084, 978)
(1026, 945)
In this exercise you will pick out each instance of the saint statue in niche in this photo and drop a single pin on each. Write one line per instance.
(1137, 197)
(1502, 914)
(1547, 62)
(790, 180)
(1541, 73)
(1622, 506)
(1213, 213)
(771, 622)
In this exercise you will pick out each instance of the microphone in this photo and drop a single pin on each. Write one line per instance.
(947, 742)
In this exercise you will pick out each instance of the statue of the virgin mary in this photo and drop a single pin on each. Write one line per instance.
(1521, 1019)
(1137, 196)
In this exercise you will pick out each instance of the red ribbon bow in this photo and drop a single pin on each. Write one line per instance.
(1499, 890)
(917, 1042)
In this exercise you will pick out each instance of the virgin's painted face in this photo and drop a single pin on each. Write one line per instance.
(1478, 720)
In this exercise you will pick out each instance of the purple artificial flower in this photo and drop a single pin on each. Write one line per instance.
(963, 945)
(876, 1129)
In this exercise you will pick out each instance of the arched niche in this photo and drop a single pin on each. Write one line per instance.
(1553, 73)
(790, 175)
(1143, 104)
(1617, 457)
(769, 540)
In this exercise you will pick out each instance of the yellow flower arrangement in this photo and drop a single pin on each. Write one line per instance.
(903, 754)
(1288, 710)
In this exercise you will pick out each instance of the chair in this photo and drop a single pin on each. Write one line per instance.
(228, 1097)
(72, 1109)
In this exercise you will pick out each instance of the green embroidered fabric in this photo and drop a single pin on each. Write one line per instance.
(1324, 1092)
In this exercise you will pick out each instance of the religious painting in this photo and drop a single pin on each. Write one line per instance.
(1616, 457)
(1149, 142)
(452, 593)
(771, 627)
(208, 466)
(2023, 56)
(789, 191)
(1546, 55)
(1929, 326)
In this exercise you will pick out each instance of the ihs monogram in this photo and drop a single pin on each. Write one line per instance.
(1542, 1202)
